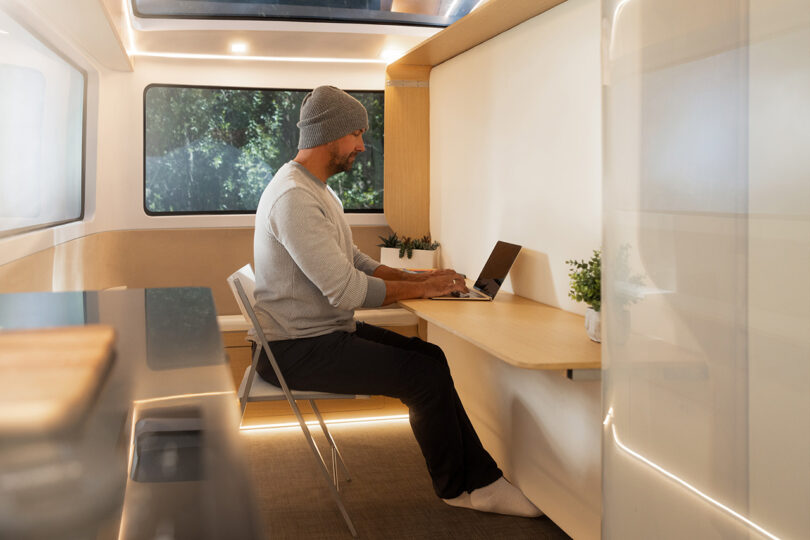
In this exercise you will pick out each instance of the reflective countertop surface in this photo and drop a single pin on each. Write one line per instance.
(156, 454)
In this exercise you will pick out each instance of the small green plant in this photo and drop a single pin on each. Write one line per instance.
(586, 280)
(406, 244)
(389, 241)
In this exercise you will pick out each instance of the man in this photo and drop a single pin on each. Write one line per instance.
(309, 280)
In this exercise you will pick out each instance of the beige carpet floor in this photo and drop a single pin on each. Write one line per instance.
(389, 497)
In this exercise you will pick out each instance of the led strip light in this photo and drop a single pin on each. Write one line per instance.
(344, 421)
(682, 482)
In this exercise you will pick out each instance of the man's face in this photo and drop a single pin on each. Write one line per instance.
(343, 151)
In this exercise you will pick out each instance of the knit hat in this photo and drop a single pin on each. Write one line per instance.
(327, 114)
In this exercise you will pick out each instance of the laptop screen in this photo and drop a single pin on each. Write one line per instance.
(497, 267)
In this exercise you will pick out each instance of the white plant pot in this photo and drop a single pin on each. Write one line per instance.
(593, 325)
(422, 259)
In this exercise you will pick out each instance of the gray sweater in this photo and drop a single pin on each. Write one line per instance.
(310, 276)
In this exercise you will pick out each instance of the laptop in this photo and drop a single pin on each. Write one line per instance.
(492, 276)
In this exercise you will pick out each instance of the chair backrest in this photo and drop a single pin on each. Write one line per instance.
(243, 284)
(248, 281)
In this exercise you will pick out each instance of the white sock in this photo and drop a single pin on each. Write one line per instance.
(462, 501)
(501, 497)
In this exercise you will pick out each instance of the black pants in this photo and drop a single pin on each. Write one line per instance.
(378, 362)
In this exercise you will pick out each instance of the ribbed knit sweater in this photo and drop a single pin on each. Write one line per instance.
(310, 276)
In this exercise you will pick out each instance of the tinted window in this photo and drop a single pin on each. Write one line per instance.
(213, 150)
(41, 133)
(417, 12)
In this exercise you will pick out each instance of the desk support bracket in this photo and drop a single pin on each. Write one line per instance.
(584, 374)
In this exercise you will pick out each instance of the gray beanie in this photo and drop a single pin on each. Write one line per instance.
(327, 114)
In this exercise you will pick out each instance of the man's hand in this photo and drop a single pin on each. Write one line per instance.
(439, 283)
(442, 284)
(430, 274)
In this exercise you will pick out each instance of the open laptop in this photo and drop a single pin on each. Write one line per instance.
(492, 276)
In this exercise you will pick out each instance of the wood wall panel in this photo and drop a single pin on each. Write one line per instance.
(367, 238)
(486, 22)
(407, 151)
(149, 258)
(31, 273)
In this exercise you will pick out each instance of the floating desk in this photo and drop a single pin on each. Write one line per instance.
(519, 331)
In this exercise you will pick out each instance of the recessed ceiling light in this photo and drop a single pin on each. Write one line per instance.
(390, 54)
(239, 47)
(3, 32)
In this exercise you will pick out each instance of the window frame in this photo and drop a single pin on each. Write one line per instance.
(85, 78)
(151, 213)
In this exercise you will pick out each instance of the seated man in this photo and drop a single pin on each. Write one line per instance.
(309, 280)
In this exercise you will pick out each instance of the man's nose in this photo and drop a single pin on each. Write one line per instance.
(361, 147)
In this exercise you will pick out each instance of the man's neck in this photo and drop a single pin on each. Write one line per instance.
(315, 162)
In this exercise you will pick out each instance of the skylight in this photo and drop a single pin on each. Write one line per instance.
(397, 12)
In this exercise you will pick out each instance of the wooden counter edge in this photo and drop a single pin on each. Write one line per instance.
(543, 366)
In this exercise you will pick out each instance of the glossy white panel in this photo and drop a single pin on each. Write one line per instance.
(778, 266)
(706, 353)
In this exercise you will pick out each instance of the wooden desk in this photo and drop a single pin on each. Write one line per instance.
(519, 331)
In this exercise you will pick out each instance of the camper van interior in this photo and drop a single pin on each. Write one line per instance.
(644, 371)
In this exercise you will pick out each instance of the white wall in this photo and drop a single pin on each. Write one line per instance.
(114, 155)
(17, 246)
(120, 194)
(515, 151)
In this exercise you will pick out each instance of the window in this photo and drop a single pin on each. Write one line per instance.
(214, 150)
(42, 106)
(420, 13)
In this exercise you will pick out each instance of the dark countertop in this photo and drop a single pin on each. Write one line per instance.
(157, 453)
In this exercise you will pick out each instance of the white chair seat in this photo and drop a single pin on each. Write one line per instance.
(262, 390)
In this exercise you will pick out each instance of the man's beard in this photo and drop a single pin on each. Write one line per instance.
(338, 164)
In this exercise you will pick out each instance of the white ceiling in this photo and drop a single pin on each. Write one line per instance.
(281, 40)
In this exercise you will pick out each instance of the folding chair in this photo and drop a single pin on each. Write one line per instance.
(252, 388)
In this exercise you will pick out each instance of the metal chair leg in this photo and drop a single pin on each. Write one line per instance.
(319, 458)
(246, 304)
(336, 455)
(335, 478)
(243, 401)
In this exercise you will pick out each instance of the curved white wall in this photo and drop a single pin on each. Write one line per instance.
(114, 144)
(515, 150)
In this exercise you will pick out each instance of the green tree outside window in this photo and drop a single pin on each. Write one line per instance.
(214, 150)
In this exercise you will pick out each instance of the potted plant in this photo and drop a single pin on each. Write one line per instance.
(628, 288)
(586, 286)
(406, 252)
